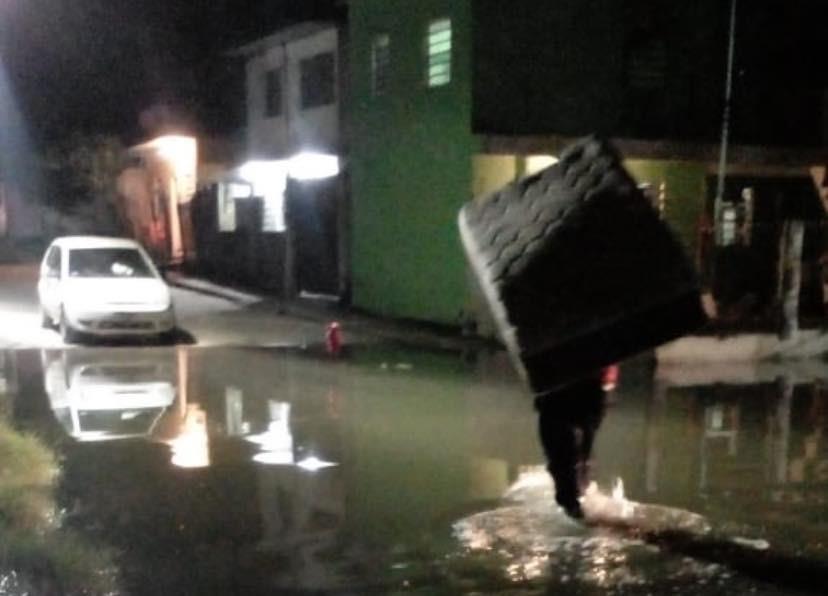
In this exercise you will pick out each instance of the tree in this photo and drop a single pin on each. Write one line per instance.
(81, 176)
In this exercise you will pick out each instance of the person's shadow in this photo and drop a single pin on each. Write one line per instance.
(568, 418)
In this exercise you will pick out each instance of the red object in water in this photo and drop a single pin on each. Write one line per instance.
(609, 377)
(333, 338)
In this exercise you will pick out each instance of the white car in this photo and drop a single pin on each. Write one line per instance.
(99, 286)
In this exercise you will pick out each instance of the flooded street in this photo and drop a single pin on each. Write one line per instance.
(393, 470)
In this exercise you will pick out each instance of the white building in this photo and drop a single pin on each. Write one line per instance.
(293, 116)
(283, 213)
(292, 92)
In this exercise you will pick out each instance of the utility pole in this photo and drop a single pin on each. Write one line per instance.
(720, 183)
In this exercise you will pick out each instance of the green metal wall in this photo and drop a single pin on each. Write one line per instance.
(410, 163)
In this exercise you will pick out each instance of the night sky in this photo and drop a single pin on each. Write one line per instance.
(130, 66)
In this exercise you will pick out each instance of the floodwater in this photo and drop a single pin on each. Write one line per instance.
(399, 471)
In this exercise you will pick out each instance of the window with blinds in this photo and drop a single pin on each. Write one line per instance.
(438, 45)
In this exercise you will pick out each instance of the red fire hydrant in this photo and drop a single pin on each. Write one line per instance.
(333, 338)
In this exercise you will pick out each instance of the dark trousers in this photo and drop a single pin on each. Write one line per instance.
(567, 421)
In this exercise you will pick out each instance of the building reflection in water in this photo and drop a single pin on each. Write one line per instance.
(760, 424)
(753, 424)
(262, 428)
(276, 442)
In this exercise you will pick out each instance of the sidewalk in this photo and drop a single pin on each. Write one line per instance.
(353, 323)
(204, 286)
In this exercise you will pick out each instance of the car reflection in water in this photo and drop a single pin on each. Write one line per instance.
(294, 496)
(121, 394)
(102, 396)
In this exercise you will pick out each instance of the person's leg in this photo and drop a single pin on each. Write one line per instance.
(567, 421)
(560, 445)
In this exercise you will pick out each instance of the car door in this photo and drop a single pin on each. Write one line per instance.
(48, 286)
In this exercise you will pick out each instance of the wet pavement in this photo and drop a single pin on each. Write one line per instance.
(392, 470)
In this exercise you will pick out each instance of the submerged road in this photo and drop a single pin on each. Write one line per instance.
(394, 470)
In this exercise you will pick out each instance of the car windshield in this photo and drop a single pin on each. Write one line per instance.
(108, 262)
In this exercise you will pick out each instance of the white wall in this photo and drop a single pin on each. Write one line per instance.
(296, 129)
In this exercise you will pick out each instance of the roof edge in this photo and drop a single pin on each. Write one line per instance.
(281, 36)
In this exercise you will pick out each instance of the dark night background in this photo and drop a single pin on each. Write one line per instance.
(130, 66)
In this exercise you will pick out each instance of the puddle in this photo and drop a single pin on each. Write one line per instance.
(268, 470)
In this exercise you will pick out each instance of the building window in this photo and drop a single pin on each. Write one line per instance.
(380, 60)
(226, 208)
(273, 93)
(317, 80)
(647, 65)
(438, 46)
(727, 227)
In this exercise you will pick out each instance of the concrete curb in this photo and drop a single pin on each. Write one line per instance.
(212, 289)
(361, 324)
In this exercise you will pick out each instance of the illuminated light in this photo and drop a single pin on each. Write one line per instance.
(536, 163)
(268, 180)
(190, 452)
(181, 153)
(265, 176)
(240, 191)
(191, 448)
(277, 441)
(313, 463)
(313, 166)
(277, 437)
(274, 458)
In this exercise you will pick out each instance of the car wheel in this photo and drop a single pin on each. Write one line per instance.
(168, 338)
(68, 334)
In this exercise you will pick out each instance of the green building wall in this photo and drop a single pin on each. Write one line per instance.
(410, 163)
(685, 185)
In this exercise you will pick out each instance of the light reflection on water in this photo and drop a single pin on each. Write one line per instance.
(536, 540)
(436, 482)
